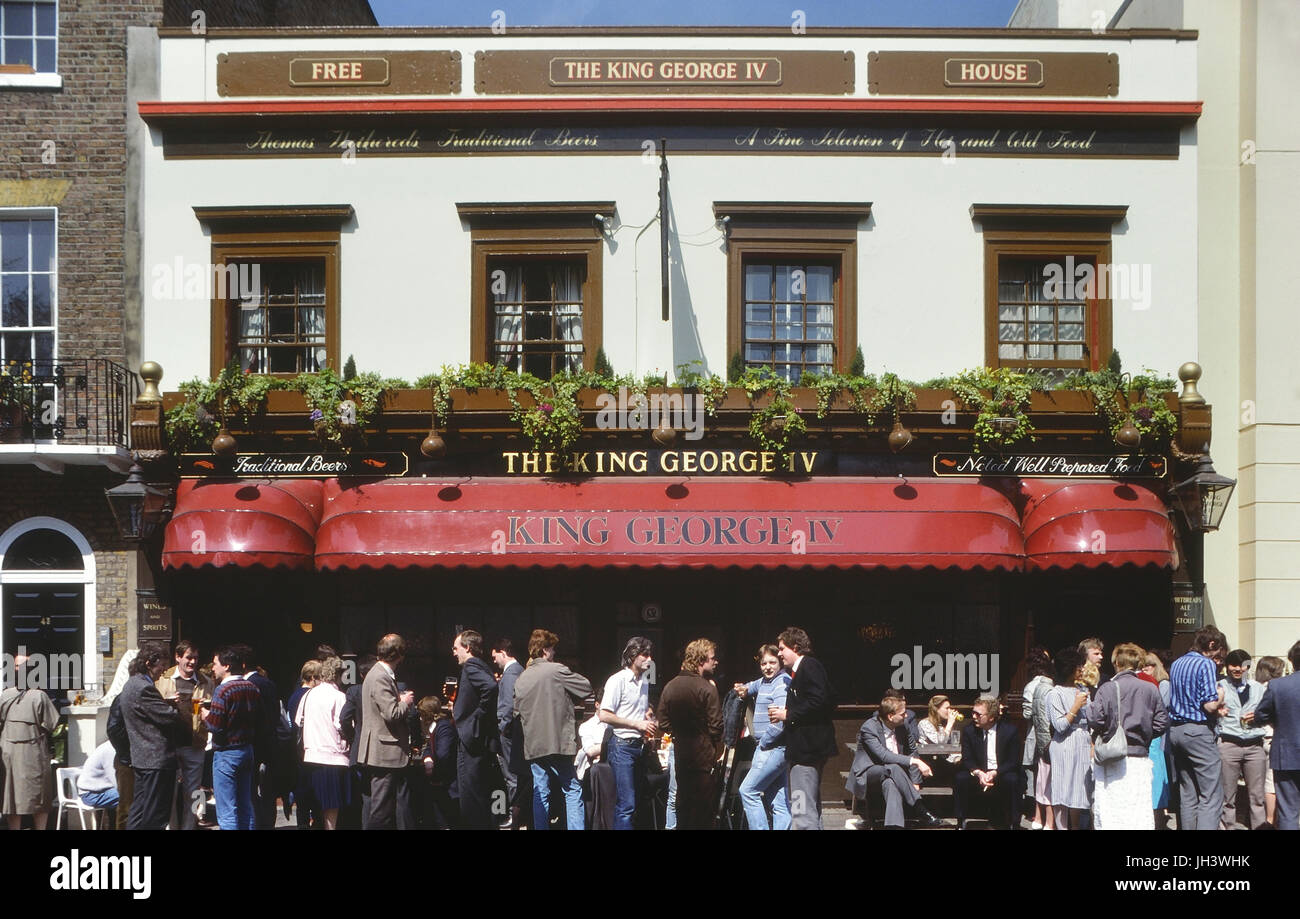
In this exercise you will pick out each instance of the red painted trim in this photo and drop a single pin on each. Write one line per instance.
(668, 104)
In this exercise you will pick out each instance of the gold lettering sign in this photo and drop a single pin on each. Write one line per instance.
(328, 71)
(669, 462)
(971, 71)
(658, 71)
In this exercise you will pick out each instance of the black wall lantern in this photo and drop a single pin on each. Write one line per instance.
(1204, 496)
(138, 507)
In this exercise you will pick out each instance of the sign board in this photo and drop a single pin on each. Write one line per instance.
(710, 71)
(587, 134)
(338, 73)
(153, 617)
(293, 465)
(1189, 606)
(993, 73)
(1049, 465)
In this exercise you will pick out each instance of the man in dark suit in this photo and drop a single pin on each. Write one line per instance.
(153, 727)
(475, 716)
(352, 817)
(1280, 707)
(513, 766)
(990, 765)
(810, 734)
(384, 739)
(886, 757)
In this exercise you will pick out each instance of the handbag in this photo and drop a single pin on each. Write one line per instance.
(1116, 748)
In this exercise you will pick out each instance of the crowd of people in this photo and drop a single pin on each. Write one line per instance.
(503, 746)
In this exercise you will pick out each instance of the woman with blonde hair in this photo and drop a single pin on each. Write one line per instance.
(939, 726)
(1071, 773)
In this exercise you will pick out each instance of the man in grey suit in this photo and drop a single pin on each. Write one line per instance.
(511, 756)
(384, 746)
(153, 726)
(885, 758)
(1280, 707)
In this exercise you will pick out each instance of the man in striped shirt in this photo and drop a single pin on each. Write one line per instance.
(232, 719)
(1195, 698)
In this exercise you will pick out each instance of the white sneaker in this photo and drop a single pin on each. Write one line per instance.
(1035, 825)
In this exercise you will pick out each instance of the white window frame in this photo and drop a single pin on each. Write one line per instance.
(39, 80)
(43, 213)
(90, 660)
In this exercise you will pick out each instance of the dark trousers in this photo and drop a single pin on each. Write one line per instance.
(1286, 784)
(1003, 798)
(152, 804)
(696, 799)
(1199, 772)
(125, 792)
(386, 785)
(264, 796)
(475, 782)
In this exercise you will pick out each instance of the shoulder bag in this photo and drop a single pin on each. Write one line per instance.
(1116, 748)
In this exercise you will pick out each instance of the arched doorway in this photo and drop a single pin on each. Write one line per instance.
(47, 602)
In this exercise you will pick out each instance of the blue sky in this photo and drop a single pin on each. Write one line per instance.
(695, 12)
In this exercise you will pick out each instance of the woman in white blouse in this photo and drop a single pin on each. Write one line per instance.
(325, 752)
(938, 726)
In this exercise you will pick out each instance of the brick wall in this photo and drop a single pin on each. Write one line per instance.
(85, 120)
(77, 498)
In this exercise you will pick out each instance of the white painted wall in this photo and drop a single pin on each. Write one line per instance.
(405, 266)
(405, 263)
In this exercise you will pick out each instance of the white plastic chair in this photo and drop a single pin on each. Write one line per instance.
(69, 797)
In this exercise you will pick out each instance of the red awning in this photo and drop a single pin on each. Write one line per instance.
(1093, 523)
(246, 523)
(703, 522)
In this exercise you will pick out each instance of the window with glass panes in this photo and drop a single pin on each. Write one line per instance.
(536, 314)
(27, 288)
(788, 317)
(279, 323)
(29, 33)
(1039, 321)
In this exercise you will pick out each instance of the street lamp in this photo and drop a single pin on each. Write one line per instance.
(1203, 497)
(138, 508)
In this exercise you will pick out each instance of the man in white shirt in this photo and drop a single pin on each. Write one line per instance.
(623, 705)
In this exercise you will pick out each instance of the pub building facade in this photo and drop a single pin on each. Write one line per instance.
(421, 198)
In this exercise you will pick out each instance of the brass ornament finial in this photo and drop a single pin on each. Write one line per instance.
(1190, 373)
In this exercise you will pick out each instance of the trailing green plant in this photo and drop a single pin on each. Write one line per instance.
(776, 425)
(711, 387)
(1119, 396)
(998, 392)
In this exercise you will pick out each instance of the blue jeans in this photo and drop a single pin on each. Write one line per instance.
(766, 777)
(232, 784)
(557, 768)
(628, 764)
(105, 799)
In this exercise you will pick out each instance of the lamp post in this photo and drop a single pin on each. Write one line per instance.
(140, 510)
